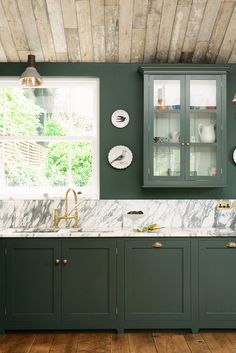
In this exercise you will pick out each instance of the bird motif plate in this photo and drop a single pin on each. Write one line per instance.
(120, 118)
(120, 157)
(234, 156)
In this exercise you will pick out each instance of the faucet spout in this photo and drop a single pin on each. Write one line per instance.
(67, 200)
(67, 215)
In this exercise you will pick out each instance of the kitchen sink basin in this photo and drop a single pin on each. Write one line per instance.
(32, 230)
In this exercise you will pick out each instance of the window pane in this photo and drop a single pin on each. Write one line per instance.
(166, 127)
(167, 94)
(202, 94)
(61, 111)
(203, 127)
(166, 161)
(49, 164)
(203, 161)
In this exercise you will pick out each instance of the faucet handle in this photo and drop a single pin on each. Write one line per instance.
(56, 217)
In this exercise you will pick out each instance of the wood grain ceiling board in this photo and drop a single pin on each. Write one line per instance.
(125, 31)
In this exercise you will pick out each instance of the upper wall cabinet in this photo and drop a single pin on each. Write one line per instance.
(184, 128)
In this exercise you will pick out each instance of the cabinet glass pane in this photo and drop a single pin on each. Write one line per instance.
(166, 94)
(203, 161)
(166, 127)
(166, 161)
(203, 127)
(203, 94)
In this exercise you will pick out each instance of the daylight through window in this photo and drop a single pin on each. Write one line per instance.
(49, 138)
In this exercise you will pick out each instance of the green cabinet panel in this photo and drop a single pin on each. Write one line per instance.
(32, 280)
(157, 280)
(117, 283)
(89, 279)
(217, 280)
(2, 286)
(184, 128)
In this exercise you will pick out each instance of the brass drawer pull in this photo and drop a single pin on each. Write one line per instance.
(157, 245)
(231, 244)
(65, 261)
(57, 261)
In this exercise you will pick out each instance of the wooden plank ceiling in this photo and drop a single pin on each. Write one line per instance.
(149, 31)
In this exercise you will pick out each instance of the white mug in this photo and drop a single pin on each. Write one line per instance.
(174, 136)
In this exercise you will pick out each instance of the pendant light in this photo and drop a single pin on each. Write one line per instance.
(31, 77)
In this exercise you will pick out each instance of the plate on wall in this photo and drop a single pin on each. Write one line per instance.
(120, 118)
(120, 157)
(234, 156)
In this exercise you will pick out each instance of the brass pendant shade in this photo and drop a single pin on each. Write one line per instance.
(31, 77)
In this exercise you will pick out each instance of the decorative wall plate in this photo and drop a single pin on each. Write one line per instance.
(120, 157)
(120, 118)
(234, 156)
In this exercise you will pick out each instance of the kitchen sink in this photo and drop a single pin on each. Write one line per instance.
(31, 230)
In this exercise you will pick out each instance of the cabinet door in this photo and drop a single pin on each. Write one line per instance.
(217, 280)
(32, 280)
(204, 122)
(88, 279)
(164, 126)
(157, 280)
(2, 286)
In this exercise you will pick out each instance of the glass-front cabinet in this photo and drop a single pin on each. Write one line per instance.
(184, 129)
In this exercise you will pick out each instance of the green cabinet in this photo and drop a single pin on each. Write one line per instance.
(157, 280)
(53, 283)
(217, 283)
(32, 280)
(118, 283)
(88, 280)
(2, 286)
(184, 128)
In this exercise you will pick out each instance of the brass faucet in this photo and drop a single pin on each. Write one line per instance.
(57, 217)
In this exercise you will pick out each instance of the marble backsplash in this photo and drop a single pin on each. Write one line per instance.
(103, 214)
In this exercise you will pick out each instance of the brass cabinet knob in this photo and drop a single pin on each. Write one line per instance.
(57, 261)
(157, 245)
(231, 244)
(65, 261)
(182, 144)
(187, 144)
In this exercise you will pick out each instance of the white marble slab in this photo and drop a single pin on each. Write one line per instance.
(99, 214)
(166, 232)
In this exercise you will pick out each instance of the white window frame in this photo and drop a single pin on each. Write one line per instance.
(54, 192)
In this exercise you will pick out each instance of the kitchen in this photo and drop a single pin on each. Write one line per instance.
(140, 254)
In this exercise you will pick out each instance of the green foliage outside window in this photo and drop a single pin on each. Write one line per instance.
(23, 119)
(22, 114)
(61, 155)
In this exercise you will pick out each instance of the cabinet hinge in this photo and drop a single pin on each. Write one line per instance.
(116, 251)
(5, 311)
(5, 251)
(116, 311)
(148, 171)
(221, 171)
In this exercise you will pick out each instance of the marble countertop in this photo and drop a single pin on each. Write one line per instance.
(73, 233)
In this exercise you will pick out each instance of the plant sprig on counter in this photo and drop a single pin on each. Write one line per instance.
(145, 229)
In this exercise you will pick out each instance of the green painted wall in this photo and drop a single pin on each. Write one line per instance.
(121, 87)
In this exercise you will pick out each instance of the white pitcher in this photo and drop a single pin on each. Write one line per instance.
(207, 133)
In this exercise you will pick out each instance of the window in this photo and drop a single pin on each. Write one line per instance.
(49, 138)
